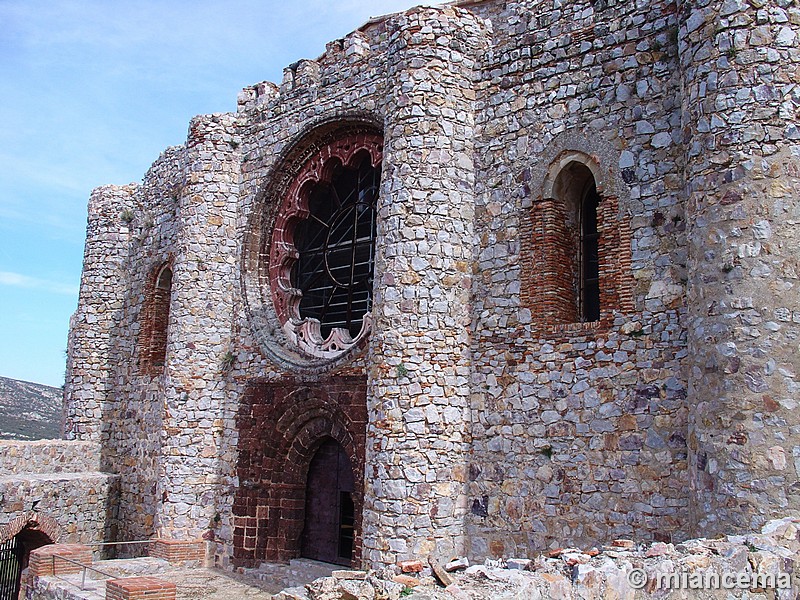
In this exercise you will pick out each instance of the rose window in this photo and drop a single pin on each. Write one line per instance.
(323, 249)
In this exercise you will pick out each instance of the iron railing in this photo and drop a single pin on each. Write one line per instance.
(85, 568)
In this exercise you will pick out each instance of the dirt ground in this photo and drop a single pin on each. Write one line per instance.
(211, 584)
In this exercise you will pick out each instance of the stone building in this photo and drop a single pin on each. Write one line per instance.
(482, 278)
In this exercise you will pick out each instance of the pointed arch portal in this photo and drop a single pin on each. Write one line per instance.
(301, 471)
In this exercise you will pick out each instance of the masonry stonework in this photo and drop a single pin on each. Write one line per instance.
(742, 207)
(58, 490)
(483, 408)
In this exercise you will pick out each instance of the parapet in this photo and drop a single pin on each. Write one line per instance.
(110, 201)
(306, 74)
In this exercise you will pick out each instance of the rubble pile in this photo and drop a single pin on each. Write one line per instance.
(739, 566)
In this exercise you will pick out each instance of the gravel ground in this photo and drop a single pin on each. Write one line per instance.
(212, 584)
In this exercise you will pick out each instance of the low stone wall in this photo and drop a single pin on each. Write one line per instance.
(45, 588)
(56, 487)
(77, 508)
(48, 456)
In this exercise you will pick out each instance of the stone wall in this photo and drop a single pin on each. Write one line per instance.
(48, 456)
(89, 389)
(741, 67)
(496, 420)
(57, 488)
(340, 94)
(200, 332)
(579, 428)
(420, 357)
(136, 404)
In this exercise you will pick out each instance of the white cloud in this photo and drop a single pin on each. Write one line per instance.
(24, 281)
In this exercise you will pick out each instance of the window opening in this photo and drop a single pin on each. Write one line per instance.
(163, 292)
(589, 296)
(155, 321)
(164, 279)
(336, 246)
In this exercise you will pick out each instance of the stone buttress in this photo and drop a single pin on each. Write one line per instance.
(740, 70)
(89, 390)
(200, 329)
(418, 399)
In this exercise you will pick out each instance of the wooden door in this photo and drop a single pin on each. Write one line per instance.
(329, 516)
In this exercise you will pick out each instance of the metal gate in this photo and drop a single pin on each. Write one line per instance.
(10, 563)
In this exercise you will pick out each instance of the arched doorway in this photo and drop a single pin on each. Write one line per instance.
(329, 510)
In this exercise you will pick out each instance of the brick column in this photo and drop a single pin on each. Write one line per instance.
(419, 378)
(548, 269)
(740, 71)
(47, 560)
(614, 249)
(90, 353)
(140, 588)
(200, 322)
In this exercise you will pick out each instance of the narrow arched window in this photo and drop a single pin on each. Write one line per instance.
(578, 254)
(576, 243)
(155, 322)
(161, 316)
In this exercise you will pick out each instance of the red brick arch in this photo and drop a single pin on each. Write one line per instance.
(34, 521)
(281, 426)
(550, 275)
(154, 319)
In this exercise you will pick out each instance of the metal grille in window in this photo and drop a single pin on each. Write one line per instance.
(336, 246)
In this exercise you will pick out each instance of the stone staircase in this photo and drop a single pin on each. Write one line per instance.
(298, 572)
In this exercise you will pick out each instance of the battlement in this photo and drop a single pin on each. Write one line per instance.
(305, 75)
(351, 53)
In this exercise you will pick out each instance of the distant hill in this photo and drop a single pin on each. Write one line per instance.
(29, 411)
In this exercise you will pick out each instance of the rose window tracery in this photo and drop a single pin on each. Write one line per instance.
(323, 249)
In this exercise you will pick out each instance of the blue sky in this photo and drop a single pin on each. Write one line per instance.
(91, 92)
